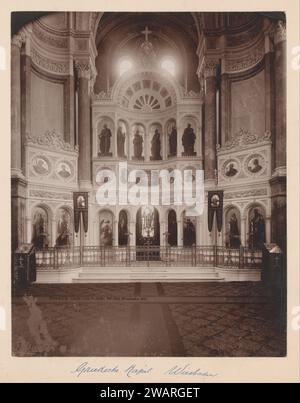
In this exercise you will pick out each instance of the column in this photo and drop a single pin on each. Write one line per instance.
(224, 112)
(116, 233)
(132, 236)
(210, 119)
(52, 235)
(84, 132)
(278, 180)
(243, 231)
(268, 229)
(179, 233)
(16, 142)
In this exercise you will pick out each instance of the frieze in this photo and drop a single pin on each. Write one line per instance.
(42, 194)
(51, 139)
(243, 139)
(246, 193)
(50, 65)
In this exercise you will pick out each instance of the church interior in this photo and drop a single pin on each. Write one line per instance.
(193, 91)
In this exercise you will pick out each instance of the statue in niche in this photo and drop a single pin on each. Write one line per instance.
(155, 146)
(64, 231)
(106, 233)
(234, 233)
(138, 146)
(40, 235)
(104, 141)
(189, 233)
(121, 136)
(257, 230)
(188, 141)
(173, 142)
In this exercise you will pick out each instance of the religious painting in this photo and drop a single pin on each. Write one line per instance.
(121, 139)
(80, 206)
(147, 226)
(230, 168)
(233, 228)
(64, 229)
(138, 135)
(215, 207)
(41, 165)
(106, 228)
(40, 235)
(172, 138)
(172, 228)
(64, 170)
(123, 232)
(105, 133)
(189, 231)
(155, 133)
(255, 164)
(257, 228)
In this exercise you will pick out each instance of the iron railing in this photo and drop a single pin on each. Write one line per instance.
(195, 256)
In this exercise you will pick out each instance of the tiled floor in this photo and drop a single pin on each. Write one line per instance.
(147, 319)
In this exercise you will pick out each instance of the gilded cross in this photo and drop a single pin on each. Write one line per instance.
(146, 32)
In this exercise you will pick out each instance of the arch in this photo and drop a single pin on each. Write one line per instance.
(123, 228)
(106, 227)
(41, 227)
(189, 230)
(256, 225)
(232, 226)
(64, 227)
(172, 228)
(147, 226)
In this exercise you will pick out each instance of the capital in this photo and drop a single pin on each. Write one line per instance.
(210, 67)
(18, 40)
(82, 68)
(279, 32)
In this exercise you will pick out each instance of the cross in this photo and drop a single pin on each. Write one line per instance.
(146, 32)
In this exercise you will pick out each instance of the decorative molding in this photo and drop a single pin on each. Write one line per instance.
(243, 139)
(52, 40)
(49, 65)
(246, 62)
(82, 68)
(246, 193)
(280, 32)
(103, 96)
(49, 195)
(52, 140)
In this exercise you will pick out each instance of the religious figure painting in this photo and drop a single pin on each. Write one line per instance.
(231, 169)
(106, 229)
(257, 230)
(254, 165)
(123, 232)
(64, 230)
(81, 202)
(40, 228)
(233, 235)
(41, 166)
(64, 170)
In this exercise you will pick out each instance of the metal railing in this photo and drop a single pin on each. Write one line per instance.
(195, 256)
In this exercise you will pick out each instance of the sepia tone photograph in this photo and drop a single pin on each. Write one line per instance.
(148, 184)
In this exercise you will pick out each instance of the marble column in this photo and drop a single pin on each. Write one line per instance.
(243, 231)
(179, 233)
(16, 141)
(210, 120)
(84, 131)
(278, 180)
(116, 233)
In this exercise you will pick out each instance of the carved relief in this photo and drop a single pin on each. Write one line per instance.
(49, 195)
(41, 165)
(254, 165)
(231, 168)
(246, 193)
(246, 62)
(50, 39)
(64, 170)
(82, 68)
(52, 140)
(280, 32)
(244, 138)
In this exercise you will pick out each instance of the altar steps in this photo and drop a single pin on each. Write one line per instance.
(146, 274)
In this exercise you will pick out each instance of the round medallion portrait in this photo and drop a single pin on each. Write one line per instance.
(230, 168)
(64, 170)
(41, 165)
